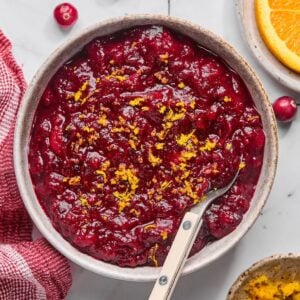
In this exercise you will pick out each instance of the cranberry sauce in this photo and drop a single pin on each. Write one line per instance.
(131, 133)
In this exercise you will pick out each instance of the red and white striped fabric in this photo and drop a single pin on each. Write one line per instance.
(30, 270)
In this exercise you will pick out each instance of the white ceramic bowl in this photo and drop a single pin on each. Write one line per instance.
(28, 107)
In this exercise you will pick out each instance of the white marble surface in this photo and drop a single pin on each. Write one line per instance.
(34, 35)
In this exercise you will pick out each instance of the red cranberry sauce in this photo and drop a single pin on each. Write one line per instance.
(131, 133)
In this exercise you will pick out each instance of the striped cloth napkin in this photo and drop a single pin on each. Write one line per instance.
(30, 270)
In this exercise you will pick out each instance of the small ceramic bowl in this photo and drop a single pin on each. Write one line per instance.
(30, 102)
(278, 267)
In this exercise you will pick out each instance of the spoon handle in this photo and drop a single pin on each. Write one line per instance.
(180, 249)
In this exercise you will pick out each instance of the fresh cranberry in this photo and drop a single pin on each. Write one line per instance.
(65, 14)
(285, 109)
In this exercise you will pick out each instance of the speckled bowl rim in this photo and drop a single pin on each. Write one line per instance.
(256, 266)
(25, 117)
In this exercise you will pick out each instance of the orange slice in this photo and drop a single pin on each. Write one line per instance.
(278, 22)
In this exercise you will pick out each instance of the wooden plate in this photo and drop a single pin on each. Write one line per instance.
(284, 267)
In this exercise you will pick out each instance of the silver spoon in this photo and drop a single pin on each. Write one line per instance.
(182, 244)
